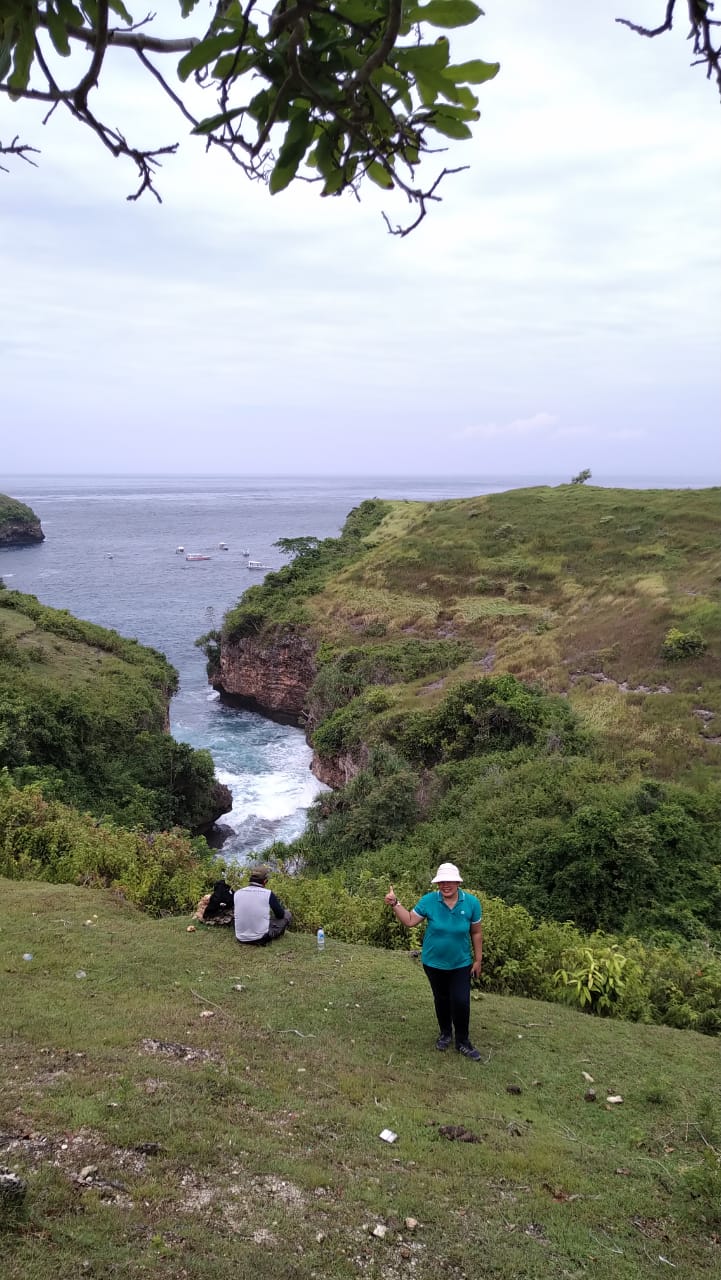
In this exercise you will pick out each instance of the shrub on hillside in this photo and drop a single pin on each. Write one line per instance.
(380, 804)
(40, 840)
(678, 645)
(478, 716)
(344, 674)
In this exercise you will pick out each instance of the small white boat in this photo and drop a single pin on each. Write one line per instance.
(245, 553)
(258, 564)
(222, 546)
(196, 555)
(180, 551)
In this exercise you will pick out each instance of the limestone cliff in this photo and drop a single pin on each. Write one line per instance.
(270, 674)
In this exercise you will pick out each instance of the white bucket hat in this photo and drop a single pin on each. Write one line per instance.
(447, 871)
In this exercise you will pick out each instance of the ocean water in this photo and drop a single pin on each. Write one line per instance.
(110, 556)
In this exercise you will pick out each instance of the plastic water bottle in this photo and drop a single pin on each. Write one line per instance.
(321, 939)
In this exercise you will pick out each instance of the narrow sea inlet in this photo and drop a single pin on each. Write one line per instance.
(111, 556)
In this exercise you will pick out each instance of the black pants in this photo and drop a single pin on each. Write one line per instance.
(452, 998)
(276, 929)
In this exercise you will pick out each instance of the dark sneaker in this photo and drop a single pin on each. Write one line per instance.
(468, 1051)
(444, 1042)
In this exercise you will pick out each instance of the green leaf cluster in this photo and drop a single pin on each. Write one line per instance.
(345, 105)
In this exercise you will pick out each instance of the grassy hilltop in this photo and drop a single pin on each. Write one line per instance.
(559, 587)
(182, 1107)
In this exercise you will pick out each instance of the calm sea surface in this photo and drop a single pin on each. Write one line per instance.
(110, 556)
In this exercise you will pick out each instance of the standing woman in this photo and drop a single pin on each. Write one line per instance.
(453, 924)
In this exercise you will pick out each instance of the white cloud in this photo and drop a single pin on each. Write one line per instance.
(572, 433)
(518, 427)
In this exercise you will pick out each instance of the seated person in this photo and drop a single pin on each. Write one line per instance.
(216, 907)
(260, 917)
(220, 900)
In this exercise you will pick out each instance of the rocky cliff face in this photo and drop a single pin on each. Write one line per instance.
(220, 801)
(268, 674)
(18, 532)
(336, 771)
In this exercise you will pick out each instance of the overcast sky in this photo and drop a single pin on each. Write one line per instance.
(560, 309)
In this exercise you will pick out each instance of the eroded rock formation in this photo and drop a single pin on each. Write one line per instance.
(270, 674)
(16, 531)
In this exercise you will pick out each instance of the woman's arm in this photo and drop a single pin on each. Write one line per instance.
(406, 917)
(477, 941)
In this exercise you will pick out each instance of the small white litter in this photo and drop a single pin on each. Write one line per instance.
(388, 1135)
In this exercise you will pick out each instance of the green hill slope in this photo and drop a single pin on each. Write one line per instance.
(181, 1106)
(528, 682)
(84, 712)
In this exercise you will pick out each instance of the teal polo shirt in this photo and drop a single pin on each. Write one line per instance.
(447, 941)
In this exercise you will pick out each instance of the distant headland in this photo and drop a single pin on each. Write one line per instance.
(19, 526)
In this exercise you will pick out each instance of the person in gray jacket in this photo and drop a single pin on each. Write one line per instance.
(260, 916)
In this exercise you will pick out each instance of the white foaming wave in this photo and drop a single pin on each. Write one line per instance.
(268, 796)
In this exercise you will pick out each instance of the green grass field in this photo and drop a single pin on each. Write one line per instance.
(160, 1141)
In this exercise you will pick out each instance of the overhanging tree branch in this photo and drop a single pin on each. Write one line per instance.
(706, 40)
(337, 92)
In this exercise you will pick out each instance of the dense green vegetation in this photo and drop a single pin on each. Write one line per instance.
(46, 840)
(11, 509)
(83, 713)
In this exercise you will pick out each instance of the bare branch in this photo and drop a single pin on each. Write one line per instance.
(101, 43)
(17, 148)
(648, 31)
(420, 197)
(131, 38)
